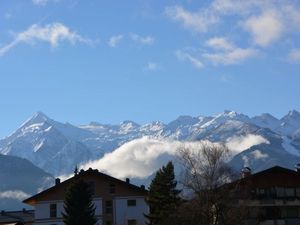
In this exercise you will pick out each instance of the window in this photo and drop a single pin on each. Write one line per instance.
(291, 212)
(52, 210)
(131, 202)
(280, 192)
(108, 207)
(289, 192)
(112, 188)
(131, 222)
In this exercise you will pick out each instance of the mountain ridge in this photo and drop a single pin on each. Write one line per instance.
(58, 147)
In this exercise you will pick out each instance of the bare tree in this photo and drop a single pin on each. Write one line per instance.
(205, 174)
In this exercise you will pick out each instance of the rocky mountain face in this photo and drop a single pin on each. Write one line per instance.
(58, 147)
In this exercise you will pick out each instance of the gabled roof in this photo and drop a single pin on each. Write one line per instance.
(141, 190)
(276, 175)
(273, 170)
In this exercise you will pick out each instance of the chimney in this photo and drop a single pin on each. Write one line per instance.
(143, 187)
(246, 172)
(57, 181)
(127, 180)
(297, 167)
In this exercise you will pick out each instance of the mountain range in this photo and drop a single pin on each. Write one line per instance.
(258, 142)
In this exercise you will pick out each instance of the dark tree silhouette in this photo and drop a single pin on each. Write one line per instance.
(163, 197)
(79, 208)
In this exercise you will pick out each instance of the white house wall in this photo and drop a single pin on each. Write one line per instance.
(123, 213)
(42, 212)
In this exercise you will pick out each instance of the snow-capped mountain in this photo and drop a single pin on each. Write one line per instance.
(50, 145)
(59, 147)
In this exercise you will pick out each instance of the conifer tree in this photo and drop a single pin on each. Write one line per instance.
(79, 208)
(163, 198)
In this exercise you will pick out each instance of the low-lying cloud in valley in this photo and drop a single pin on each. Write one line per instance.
(138, 158)
(241, 143)
(141, 157)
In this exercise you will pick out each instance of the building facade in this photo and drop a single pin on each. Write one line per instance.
(271, 197)
(117, 202)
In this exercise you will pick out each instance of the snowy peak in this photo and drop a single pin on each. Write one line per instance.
(233, 115)
(290, 123)
(292, 115)
(37, 118)
(223, 117)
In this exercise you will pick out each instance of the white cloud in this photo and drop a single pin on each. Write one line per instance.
(257, 154)
(294, 56)
(151, 66)
(115, 40)
(219, 52)
(141, 157)
(266, 28)
(293, 17)
(219, 43)
(185, 56)
(241, 143)
(196, 21)
(266, 21)
(137, 158)
(146, 40)
(15, 194)
(234, 56)
(51, 33)
(253, 156)
(43, 2)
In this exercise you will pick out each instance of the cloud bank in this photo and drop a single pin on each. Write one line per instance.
(141, 157)
(138, 158)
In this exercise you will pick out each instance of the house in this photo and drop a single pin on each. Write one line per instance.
(272, 196)
(25, 217)
(117, 202)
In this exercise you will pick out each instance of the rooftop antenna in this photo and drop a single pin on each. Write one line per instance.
(76, 170)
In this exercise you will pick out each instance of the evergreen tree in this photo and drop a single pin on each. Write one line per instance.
(79, 208)
(163, 198)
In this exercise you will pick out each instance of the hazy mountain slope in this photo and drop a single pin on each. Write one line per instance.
(19, 179)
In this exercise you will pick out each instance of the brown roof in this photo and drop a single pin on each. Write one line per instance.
(274, 176)
(140, 190)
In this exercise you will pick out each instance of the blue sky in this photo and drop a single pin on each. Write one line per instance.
(109, 61)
